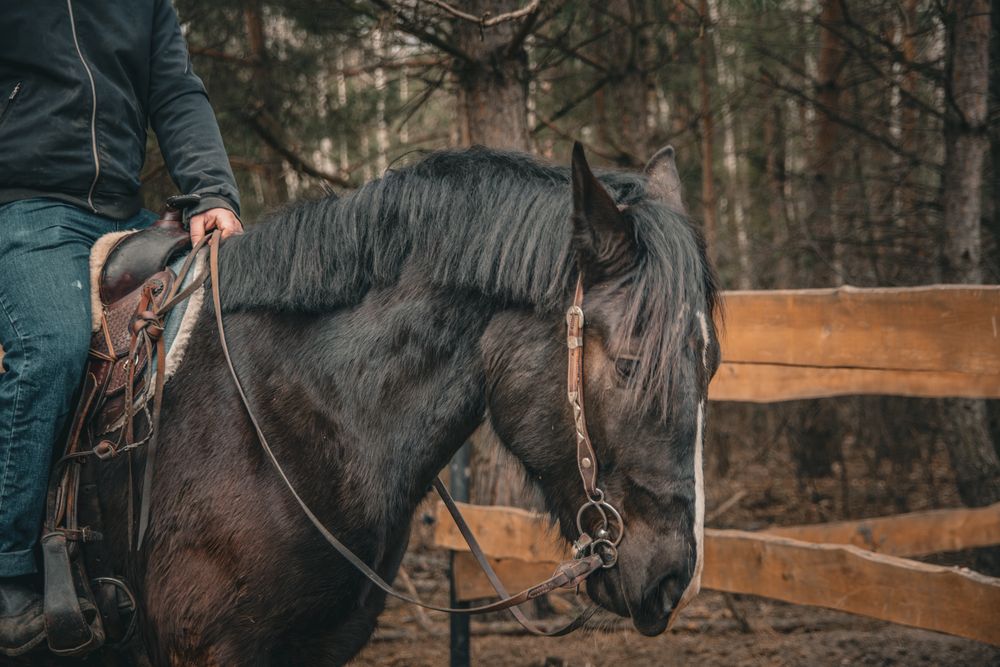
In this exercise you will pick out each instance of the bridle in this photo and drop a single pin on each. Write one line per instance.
(592, 552)
(605, 540)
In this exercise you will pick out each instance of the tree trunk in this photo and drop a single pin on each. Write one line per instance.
(905, 206)
(381, 126)
(973, 456)
(493, 86)
(825, 225)
(737, 193)
(775, 138)
(273, 189)
(625, 131)
(707, 138)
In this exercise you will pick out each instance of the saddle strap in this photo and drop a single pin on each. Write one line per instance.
(568, 574)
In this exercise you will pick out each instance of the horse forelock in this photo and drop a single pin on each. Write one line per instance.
(490, 221)
(665, 302)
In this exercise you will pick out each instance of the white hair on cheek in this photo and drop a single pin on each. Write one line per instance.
(699, 518)
(704, 338)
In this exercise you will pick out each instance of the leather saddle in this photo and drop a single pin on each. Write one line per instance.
(135, 262)
(134, 281)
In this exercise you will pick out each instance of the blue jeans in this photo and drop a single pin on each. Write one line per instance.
(45, 332)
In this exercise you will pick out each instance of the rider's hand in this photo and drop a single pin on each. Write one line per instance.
(215, 218)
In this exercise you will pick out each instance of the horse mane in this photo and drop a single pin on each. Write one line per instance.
(494, 222)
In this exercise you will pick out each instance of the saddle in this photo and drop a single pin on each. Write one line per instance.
(85, 604)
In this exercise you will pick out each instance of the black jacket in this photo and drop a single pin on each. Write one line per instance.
(80, 80)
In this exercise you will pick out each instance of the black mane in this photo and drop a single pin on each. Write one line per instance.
(490, 221)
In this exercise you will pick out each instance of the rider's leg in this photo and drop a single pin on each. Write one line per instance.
(45, 333)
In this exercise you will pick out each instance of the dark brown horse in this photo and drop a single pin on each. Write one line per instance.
(373, 334)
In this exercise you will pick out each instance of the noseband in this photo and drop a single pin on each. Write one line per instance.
(591, 553)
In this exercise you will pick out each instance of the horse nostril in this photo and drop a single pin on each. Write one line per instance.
(668, 591)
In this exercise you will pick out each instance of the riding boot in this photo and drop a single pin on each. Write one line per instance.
(22, 623)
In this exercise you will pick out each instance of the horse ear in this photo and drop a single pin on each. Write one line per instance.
(664, 181)
(602, 235)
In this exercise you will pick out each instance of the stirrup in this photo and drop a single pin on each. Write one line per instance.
(117, 604)
(72, 629)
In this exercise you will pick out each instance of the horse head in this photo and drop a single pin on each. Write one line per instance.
(650, 351)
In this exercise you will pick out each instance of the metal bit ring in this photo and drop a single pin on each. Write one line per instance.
(604, 509)
(607, 551)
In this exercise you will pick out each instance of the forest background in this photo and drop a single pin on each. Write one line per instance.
(821, 143)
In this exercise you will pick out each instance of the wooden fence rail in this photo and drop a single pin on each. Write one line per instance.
(525, 549)
(940, 340)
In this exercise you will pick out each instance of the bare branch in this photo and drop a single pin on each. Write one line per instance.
(591, 148)
(297, 162)
(420, 32)
(217, 54)
(487, 21)
(393, 64)
(859, 128)
(865, 55)
(572, 104)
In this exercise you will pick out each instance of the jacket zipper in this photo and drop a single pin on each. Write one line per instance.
(93, 109)
(10, 101)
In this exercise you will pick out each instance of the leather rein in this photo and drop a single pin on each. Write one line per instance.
(592, 552)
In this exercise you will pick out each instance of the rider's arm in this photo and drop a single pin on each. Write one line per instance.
(183, 120)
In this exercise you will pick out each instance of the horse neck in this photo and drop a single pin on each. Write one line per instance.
(369, 402)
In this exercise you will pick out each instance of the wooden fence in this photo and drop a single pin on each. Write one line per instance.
(841, 576)
(915, 341)
(936, 341)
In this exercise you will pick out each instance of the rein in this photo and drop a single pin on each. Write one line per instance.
(592, 553)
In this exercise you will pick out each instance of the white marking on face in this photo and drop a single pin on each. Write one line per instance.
(704, 338)
(694, 586)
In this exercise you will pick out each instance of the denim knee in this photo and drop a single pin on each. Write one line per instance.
(60, 354)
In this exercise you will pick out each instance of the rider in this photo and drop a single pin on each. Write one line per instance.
(80, 82)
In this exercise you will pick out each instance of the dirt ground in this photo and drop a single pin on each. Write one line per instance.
(759, 488)
(779, 634)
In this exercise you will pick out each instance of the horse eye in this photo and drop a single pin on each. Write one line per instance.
(626, 368)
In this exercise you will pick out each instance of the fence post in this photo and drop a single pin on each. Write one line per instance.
(459, 630)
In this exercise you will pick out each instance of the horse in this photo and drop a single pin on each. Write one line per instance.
(373, 334)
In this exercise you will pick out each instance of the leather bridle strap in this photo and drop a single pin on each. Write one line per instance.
(491, 575)
(586, 459)
(567, 575)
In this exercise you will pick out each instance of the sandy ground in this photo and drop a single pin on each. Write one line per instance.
(779, 634)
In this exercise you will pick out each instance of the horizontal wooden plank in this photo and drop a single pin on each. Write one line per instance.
(912, 534)
(510, 532)
(502, 532)
(516, 575)
(767, 383)
(841, 577)
(936, 328)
